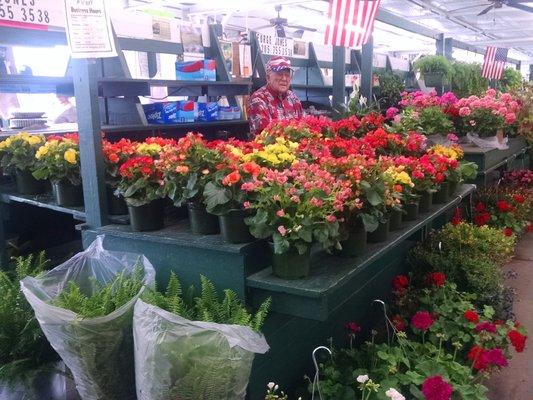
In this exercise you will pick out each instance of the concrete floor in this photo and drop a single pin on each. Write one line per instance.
(516, 381)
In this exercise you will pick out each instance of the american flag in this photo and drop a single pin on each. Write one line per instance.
(494, 64)
(351, 22)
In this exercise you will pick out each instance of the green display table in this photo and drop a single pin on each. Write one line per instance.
(305, 312)
(491, 161)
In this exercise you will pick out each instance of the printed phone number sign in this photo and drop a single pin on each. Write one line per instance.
(32, 12)
(275, 46)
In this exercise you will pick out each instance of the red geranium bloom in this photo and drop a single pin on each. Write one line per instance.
(478, 356)
(399, 323)
(437, 279)
(457, 217)
(436, 388)
(508, 232)
(472, 316)
(400, 283)
(422, 320)
(480, 207)
(504, 206)
(482, 219)
(496, 357)
(519, 198)
(517, 340)
(486, 326)
(352, 327)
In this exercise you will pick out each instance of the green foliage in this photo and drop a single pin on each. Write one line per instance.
(101, 299)
(511, 80)
(208, 306)
(434, 65)
(481, 121)
(434, 121)
(18, 152)
(390, 88)
(469, 255)
(467, 79)
(23, 346)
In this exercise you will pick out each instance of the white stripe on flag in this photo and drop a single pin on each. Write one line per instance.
(370, 28)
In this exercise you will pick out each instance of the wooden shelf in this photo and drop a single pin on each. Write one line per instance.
(46, 200)
(333, 279)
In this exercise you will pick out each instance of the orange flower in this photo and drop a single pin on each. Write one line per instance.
(114, 158)
(398, 188)
(251, 168)
(231, 178)
(182, 169)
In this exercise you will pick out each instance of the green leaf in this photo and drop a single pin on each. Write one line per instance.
(215, 196)
(373, 197)
(281, 245)
(370, 222)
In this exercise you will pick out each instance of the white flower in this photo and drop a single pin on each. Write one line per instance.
(362, 378)
(362, 101)
(393, 394)
(271, 385)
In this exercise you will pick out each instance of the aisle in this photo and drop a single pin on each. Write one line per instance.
(516, 381)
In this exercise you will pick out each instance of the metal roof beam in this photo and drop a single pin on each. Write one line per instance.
(391, 19)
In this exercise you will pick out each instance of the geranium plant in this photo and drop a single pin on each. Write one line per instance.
(140, 181)
(115, 154)
(58, 160)
(17, 152)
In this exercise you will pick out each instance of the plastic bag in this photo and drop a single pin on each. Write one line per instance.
(98, 351)
(176, 358)
(492, 142)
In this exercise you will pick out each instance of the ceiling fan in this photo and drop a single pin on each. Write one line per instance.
(280, 24)
(495, 4)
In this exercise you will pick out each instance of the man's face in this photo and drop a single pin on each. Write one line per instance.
(280, 81)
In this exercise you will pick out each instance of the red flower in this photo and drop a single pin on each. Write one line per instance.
(519, 198)
(486, 326)
(231, 179)
(352, 327)
(504, 206)
(482, 219)
(251, 168)
(437, 279)
(472, 316)
(496, 357)
(399, 323)
(517, 340)
(508, 232)
(457, 217)
(478, 356)
(400, 283)
(529, 227)
(480, 207)
(436, 388)
(422, 320)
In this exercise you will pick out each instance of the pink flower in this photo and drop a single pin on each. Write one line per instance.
(452, 137)
(436, 388)
(316, 202)
(331, 218)
(496, 357)
(397, 119)
(422, 320)
(491, 92)
(510, 118)
(353, 327)
(282, 230)
(248, 186)
(391, 112)
(486, 326)
(280, 213)
(246, 205)
(464, 111)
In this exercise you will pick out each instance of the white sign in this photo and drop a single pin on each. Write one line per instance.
(89, 31)
(275, 46)
(26, 13)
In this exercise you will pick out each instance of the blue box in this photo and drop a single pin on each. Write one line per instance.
(190, 71)
(208, 111)
(187, 111)
(161, 113)
(210, 70)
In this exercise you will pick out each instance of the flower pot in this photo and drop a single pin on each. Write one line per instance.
(411, 210)
(115, 205)
(433, 80)
(202, 222)
(355, 244)
(381, 233)
(27, 184)
(443, 194)
(233, 228)
(395, 220)
(426, 200)
(148, 217)
(67, 194)
(452, 187)
(291, 264)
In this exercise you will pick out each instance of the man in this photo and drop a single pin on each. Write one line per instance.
(274, 101)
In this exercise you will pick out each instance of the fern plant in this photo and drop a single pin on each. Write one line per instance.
(186, 362)
(24, 349)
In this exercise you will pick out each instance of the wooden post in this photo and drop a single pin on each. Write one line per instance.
(367, 56)
(339, 71)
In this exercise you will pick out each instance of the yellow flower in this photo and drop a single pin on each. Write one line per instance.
(70, 156)
(41, 151)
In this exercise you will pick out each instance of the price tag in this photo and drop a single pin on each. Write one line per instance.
(89, 30)
(32, 14)
(275, 46)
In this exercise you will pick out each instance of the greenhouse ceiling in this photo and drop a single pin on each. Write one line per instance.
(503, 23)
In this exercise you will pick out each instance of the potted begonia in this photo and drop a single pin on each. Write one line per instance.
(115, 154)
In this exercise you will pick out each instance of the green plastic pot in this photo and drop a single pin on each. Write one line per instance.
(148, 217)
(395, 220)
(26, 183)
(233, 228)
(355, 244)
(115, 205)
(426, 200)
(381, 234)
(411, 211)
(452, 187)
(202, 222)
(291, 264)
(443, 194)
(67, 194)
